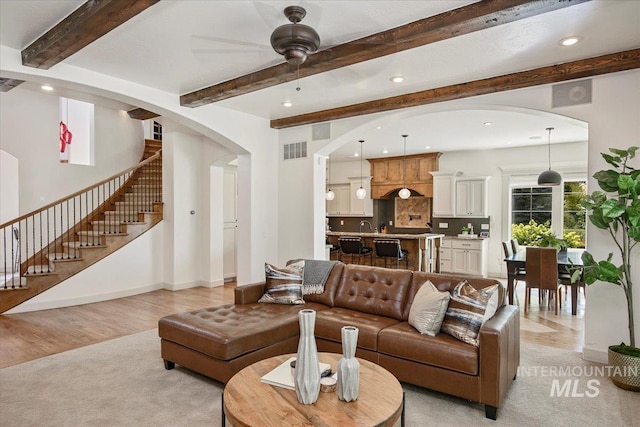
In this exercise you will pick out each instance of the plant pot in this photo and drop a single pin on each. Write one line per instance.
(624, 371)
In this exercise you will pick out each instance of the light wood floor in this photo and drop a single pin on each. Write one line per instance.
(29, 336)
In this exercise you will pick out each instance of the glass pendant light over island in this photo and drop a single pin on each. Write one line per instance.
(405, 192)
(361, 193)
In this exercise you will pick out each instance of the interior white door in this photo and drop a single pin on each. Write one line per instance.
(230, 232)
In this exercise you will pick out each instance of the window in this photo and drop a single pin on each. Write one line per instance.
(574, 216)
(531, 203)
(76, 135)
(157, 131)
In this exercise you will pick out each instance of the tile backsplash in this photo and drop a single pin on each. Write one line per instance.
(455, 225)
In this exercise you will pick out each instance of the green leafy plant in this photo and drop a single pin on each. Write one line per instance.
(464, 228)
(530, 234)
(550, 240)
(616, 209)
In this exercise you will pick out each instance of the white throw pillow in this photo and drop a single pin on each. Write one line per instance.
(428, 309)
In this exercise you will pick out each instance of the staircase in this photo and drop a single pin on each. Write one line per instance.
(43, 248)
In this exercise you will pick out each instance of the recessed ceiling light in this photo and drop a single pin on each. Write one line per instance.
(487, 123)
(385, 151)
(570, 41)
(356, 154)
(47, 88)
(379, 127)
(427, 147)
(535, 137)
(397, 79)
(287, 104)
(508, 142)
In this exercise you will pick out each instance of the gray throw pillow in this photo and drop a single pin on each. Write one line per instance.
(428, 309)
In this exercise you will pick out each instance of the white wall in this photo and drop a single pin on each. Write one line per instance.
(29, 131)
(613, 122)
(489, 163)
(9, 187)
(246, 136)
(134, 269)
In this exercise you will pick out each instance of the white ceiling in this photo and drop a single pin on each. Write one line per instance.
(181, 46)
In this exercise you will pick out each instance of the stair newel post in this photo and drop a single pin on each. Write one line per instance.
(68, 227)
(48, 242)
(4, 258)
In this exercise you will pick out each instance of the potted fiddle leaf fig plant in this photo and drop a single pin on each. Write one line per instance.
(616, 209)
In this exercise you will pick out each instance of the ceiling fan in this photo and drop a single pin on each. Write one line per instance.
(295, 41)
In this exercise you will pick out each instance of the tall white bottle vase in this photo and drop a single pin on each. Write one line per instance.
(348, 366)
(307, 378)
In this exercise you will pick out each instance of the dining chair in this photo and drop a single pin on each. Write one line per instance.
(520, 273)
(542, 274)
(354, 246)
(390, 248)
(515, 246)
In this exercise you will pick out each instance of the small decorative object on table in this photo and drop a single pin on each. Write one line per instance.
(307, 371)
(348, 366)
(464, 230)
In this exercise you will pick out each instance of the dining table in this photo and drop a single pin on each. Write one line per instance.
(568, 260)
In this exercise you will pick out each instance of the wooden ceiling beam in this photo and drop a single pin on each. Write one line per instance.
(141, 114)
(464, 20)
(7, 84)
(605, 64)
(86, 24)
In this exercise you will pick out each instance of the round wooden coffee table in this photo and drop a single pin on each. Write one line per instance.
(249, 402)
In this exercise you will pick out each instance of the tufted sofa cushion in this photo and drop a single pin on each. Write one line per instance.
(230, 331)
(377, 291)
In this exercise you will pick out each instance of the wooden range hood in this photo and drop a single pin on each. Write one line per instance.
(387, 174)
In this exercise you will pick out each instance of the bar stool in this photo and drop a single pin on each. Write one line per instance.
(354, 246)
(390, 248)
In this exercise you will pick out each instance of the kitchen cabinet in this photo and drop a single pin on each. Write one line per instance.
(360, 207)
(471, 198)
(346, 203)
(464, 256)
(456, 195)
(443, 194)
(390, 174)
(341, 204)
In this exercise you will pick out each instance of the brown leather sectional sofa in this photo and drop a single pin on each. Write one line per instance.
(220, 341)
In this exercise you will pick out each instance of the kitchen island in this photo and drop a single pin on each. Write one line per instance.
(423, 248)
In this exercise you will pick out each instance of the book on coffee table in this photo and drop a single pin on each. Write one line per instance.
(281, 375)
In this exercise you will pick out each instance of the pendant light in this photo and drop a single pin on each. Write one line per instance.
(549, 177)
(329, 195)
(361, 193)
(405, 192)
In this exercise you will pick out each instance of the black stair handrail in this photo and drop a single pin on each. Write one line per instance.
(30, 241)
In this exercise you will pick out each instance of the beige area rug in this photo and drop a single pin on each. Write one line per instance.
(123, 382)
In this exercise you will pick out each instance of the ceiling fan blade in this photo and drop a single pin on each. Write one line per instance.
(233, 42)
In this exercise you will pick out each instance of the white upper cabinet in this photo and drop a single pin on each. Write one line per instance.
(341, 204)
(361, 207)
(443, 191)
(346, 203)
(456, 195)
(471, 198)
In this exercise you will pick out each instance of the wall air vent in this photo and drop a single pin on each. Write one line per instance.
(295, 150)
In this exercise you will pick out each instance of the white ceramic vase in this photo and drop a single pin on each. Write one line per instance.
(348, 366)
(307, 378)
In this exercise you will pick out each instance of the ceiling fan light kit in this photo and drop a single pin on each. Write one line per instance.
(295, 41)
